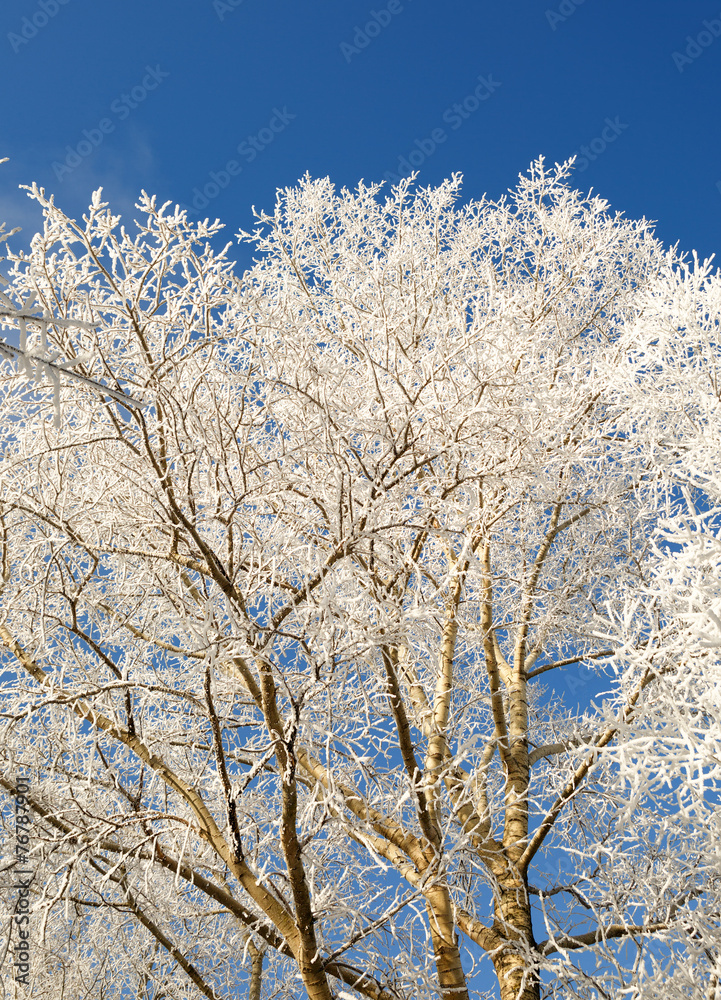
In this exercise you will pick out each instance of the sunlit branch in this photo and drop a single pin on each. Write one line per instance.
(570, 942)
(570, 660)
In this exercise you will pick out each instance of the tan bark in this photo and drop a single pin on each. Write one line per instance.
(446, 952)
(513, 925)
(256, 972)
(385, 826)
(513, 922)
(307, 953)
(441, 918)
(437, 745)
(490, 646)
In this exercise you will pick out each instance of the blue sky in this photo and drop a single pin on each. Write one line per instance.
(163, 95)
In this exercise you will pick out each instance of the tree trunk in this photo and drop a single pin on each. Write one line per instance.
(451, 978)
(513, 923)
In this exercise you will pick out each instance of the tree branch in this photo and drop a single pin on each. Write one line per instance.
(208, 828)
(569, 942)
(579, 776)
(566, 663)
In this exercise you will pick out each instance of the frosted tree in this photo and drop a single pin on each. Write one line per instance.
(286, 582)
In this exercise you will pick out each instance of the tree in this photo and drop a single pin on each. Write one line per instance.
(285, 582)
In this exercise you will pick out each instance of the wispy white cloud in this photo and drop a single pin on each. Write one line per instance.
(121, 172)
(19, 211)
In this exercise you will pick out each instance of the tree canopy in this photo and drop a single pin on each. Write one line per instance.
(294, 563)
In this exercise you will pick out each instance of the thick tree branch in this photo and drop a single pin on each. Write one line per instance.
(438, 743)
(311, 969)
(395, 699)
(494, 677)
